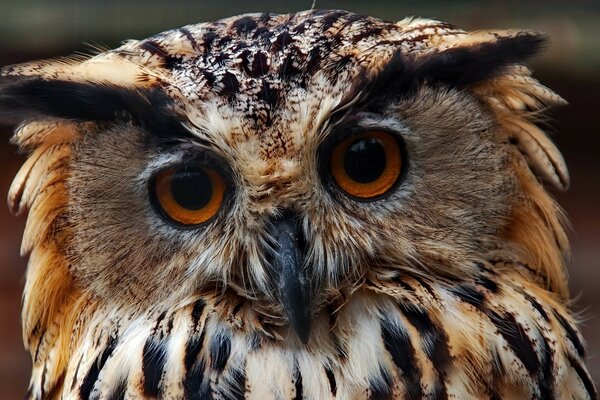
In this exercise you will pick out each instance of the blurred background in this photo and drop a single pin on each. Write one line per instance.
(32, 29)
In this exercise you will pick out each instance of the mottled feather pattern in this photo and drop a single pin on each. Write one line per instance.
(452, 287)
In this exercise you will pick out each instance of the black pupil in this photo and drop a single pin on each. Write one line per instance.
(192, 189)
(364, 160)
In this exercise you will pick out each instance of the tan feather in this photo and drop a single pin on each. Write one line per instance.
(35, 175)
(107, 67)
(44, 141)
(537, 226)
(543, 156)
(35, 133)
(20, 184)
(517, 100)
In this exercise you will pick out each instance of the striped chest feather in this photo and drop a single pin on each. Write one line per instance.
(394, 338)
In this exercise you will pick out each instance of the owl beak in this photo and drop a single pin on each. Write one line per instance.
(292, 282)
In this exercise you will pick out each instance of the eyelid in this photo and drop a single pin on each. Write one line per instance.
(191, 154)
(345, 131)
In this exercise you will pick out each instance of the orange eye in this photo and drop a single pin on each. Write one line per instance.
(366, 165)
(190, 195)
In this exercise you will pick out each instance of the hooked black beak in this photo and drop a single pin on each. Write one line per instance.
(292, 281)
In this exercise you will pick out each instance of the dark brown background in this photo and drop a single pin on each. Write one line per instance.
(31, 29)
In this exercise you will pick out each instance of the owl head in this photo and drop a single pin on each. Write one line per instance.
(284, 159)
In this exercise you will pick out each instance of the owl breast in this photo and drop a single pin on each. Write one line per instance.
(403, 338)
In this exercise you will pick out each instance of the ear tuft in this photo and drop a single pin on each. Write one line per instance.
(471, 58)
(27, 97)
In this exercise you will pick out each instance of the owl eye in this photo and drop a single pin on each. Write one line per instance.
(188, 195)
(366, 165)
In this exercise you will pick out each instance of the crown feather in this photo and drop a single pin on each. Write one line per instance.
(109, 67)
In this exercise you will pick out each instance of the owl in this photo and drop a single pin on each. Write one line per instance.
(319, 205)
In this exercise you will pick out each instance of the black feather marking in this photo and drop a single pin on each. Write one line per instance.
(265, 17)
(313, 61)
(195, 386)
(427, 286)
(159, 321)
(398, 344)
(154, 357)
(170, 323)
(154, 48)
(237, 309)
(537, 306)
(220, 348)
(230, 85)
(584, 377)
(170, 61)
(434, 341)
(281, 42)
(330, 19)
(184, 31)
(487, 283)
(76, 374)
(192, 349)
(381, 389)
(92, 376)
(546, 378)
(118, 392)
(366, 33)
(245, 25)
(404, 285)
(298, 385)
(269, 95)
(439, 392)
(56, 389)
(571, 334)
(236, 381)
(331, 379)
(493, 393)
(418, 318)
(197, 312)
(395, 79)
(28, 394)
(260, 64)
(517, 339)
(64, 99)
(26, 98)
(469, 295)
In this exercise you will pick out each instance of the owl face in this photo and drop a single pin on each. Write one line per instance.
(285, 159)
(179, 211)
(368, 174)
